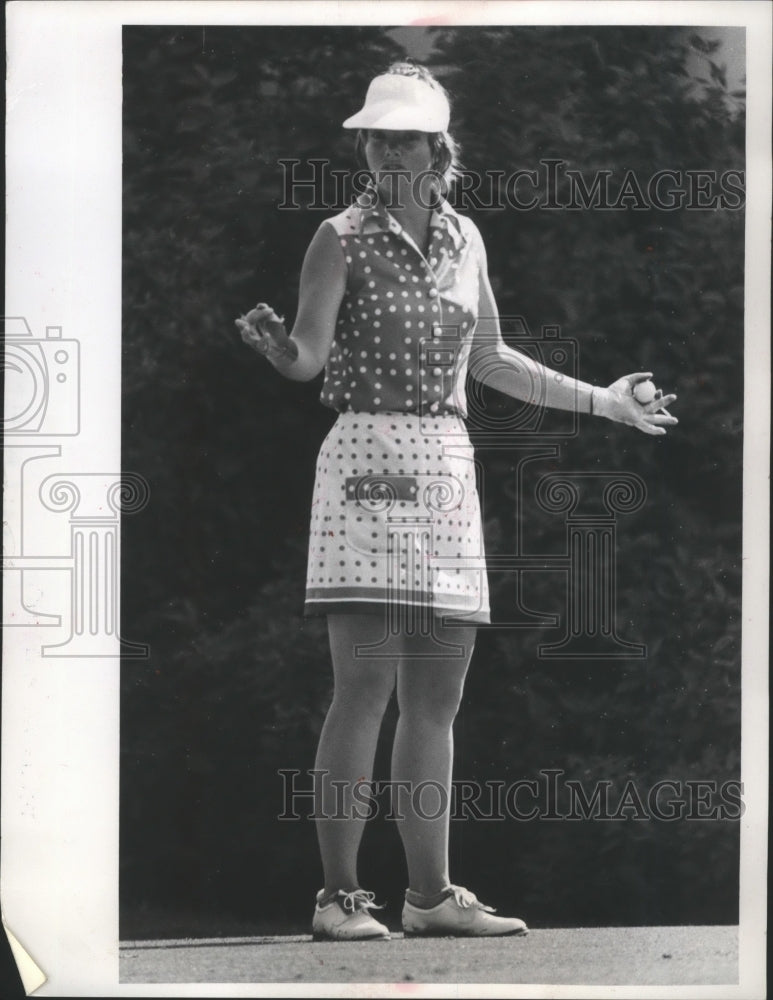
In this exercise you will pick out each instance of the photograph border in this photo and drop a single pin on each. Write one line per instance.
(59, 852)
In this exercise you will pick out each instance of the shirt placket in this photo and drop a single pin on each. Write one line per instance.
(435, 360)
(442, 351)
(438, 359)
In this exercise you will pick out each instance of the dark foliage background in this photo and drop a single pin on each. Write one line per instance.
(212, 571)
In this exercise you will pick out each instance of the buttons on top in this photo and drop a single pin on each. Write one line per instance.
(381, 319)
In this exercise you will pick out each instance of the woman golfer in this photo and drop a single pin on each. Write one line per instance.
(396, 307)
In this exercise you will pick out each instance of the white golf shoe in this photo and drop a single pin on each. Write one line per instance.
(346, 917)
(460, 914)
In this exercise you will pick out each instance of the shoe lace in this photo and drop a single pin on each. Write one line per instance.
(464, 898)
(359, 899)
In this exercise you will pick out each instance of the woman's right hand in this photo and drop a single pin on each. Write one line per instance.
(265, 332)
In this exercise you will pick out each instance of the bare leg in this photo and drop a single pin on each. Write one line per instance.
(429, 692)
(348, 741)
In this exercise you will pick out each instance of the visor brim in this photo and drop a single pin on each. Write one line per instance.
(392, 116)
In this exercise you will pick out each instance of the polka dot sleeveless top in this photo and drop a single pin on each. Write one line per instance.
(405, 325)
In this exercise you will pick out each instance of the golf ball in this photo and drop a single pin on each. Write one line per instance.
(644, 392)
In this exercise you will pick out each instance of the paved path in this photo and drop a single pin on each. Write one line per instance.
(657, 956)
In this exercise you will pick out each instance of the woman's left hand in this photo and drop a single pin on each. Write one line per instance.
(617, 402)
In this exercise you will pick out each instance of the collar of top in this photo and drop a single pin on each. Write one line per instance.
(375, 217)
(405, 103)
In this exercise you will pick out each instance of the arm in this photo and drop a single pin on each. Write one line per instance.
(303, 354)
(513, 373)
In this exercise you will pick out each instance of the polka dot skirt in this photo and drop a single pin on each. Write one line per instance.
(396, 519)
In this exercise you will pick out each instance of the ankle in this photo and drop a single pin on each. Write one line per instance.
(328, 895)
(425, 901)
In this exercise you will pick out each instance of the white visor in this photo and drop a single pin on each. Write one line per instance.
(402, 103)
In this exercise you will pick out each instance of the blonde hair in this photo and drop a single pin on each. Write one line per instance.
(444, 148)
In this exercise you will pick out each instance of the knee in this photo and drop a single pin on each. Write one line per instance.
(436, 709)
(365, 701)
